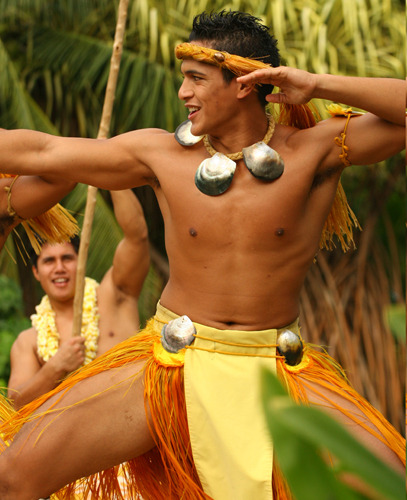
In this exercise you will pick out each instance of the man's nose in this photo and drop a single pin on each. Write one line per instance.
(184, 91)
(59, 265)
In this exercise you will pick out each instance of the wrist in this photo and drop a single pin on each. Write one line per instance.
(55, 371)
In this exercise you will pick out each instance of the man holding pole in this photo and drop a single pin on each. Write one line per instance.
(47, 352)
(245, 201)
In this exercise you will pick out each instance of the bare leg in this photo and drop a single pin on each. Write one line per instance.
(374, 444)
(103, 431)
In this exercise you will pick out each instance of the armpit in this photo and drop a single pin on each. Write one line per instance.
(6, 221)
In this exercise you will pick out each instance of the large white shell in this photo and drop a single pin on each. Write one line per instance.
(290, 346)
(183, 134)
(263, 162)
(177, 334)
(214, 175)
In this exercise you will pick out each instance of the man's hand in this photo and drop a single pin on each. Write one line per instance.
(296, 86)
(70, 355)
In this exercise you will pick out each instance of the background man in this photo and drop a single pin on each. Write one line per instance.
(41, 359)
(237, 264)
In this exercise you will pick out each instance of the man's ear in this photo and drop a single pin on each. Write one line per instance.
(244, 90)
(35, 273)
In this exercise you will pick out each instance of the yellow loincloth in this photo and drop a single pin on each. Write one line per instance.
(231, 445)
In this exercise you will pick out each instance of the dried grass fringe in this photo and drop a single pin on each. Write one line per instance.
(168, 471)
(54, 226)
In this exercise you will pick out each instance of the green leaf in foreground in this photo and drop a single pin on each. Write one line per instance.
(301, 434)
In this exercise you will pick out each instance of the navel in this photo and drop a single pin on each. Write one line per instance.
(279, 231)
(193, 232)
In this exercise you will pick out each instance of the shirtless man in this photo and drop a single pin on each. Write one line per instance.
(116, 305)
(237, 264)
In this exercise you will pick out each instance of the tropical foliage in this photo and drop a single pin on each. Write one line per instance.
(55, 57)
(12, 321)
(302, 452)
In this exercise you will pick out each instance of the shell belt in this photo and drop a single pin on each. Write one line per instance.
(179, 334)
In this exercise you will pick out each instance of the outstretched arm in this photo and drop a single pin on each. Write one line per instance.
(118, 163)
(30, 196)
(375, 136)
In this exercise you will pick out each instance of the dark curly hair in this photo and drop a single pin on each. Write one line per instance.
(237, 33)
(74, 241)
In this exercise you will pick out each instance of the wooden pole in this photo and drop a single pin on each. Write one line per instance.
(92, 191)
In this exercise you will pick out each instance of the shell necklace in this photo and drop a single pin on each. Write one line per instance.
(48, 336)
(214, 175)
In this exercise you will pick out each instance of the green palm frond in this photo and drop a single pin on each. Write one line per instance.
(17, 108)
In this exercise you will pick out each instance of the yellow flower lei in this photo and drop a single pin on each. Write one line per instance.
(48, 336)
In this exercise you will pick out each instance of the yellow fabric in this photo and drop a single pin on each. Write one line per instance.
(168, 471)
(231, 445)
(166, 358)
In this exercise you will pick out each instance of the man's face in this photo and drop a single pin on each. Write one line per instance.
(56, 271)
(209, 99)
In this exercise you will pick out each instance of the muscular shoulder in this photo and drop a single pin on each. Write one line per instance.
(151, 146)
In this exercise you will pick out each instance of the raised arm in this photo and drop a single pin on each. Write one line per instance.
(29, 197)
(373, 137)
(383, 97)
(132, 258)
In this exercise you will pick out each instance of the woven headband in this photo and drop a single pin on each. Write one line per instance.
(236, 64)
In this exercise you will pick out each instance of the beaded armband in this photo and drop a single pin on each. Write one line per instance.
(337, 110)
(10, 210)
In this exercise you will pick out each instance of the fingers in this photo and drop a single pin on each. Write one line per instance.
(278, 98)
(260, 76)
(72, 352)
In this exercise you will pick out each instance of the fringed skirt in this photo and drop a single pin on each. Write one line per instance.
(206, 415)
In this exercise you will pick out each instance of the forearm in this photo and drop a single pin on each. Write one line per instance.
(131, 259)
(46, 379)
(384, 97)
(129, 214)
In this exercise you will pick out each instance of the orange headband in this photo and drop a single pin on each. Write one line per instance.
(236, 64)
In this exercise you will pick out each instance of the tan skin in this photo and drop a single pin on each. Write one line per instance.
(117, 297)
(237, 261)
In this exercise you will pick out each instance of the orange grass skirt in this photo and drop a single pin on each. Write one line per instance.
(168, 471)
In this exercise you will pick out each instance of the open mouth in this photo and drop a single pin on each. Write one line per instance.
(60, 282)
(192, 112)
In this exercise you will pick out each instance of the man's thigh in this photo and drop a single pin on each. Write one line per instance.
(99, 423)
